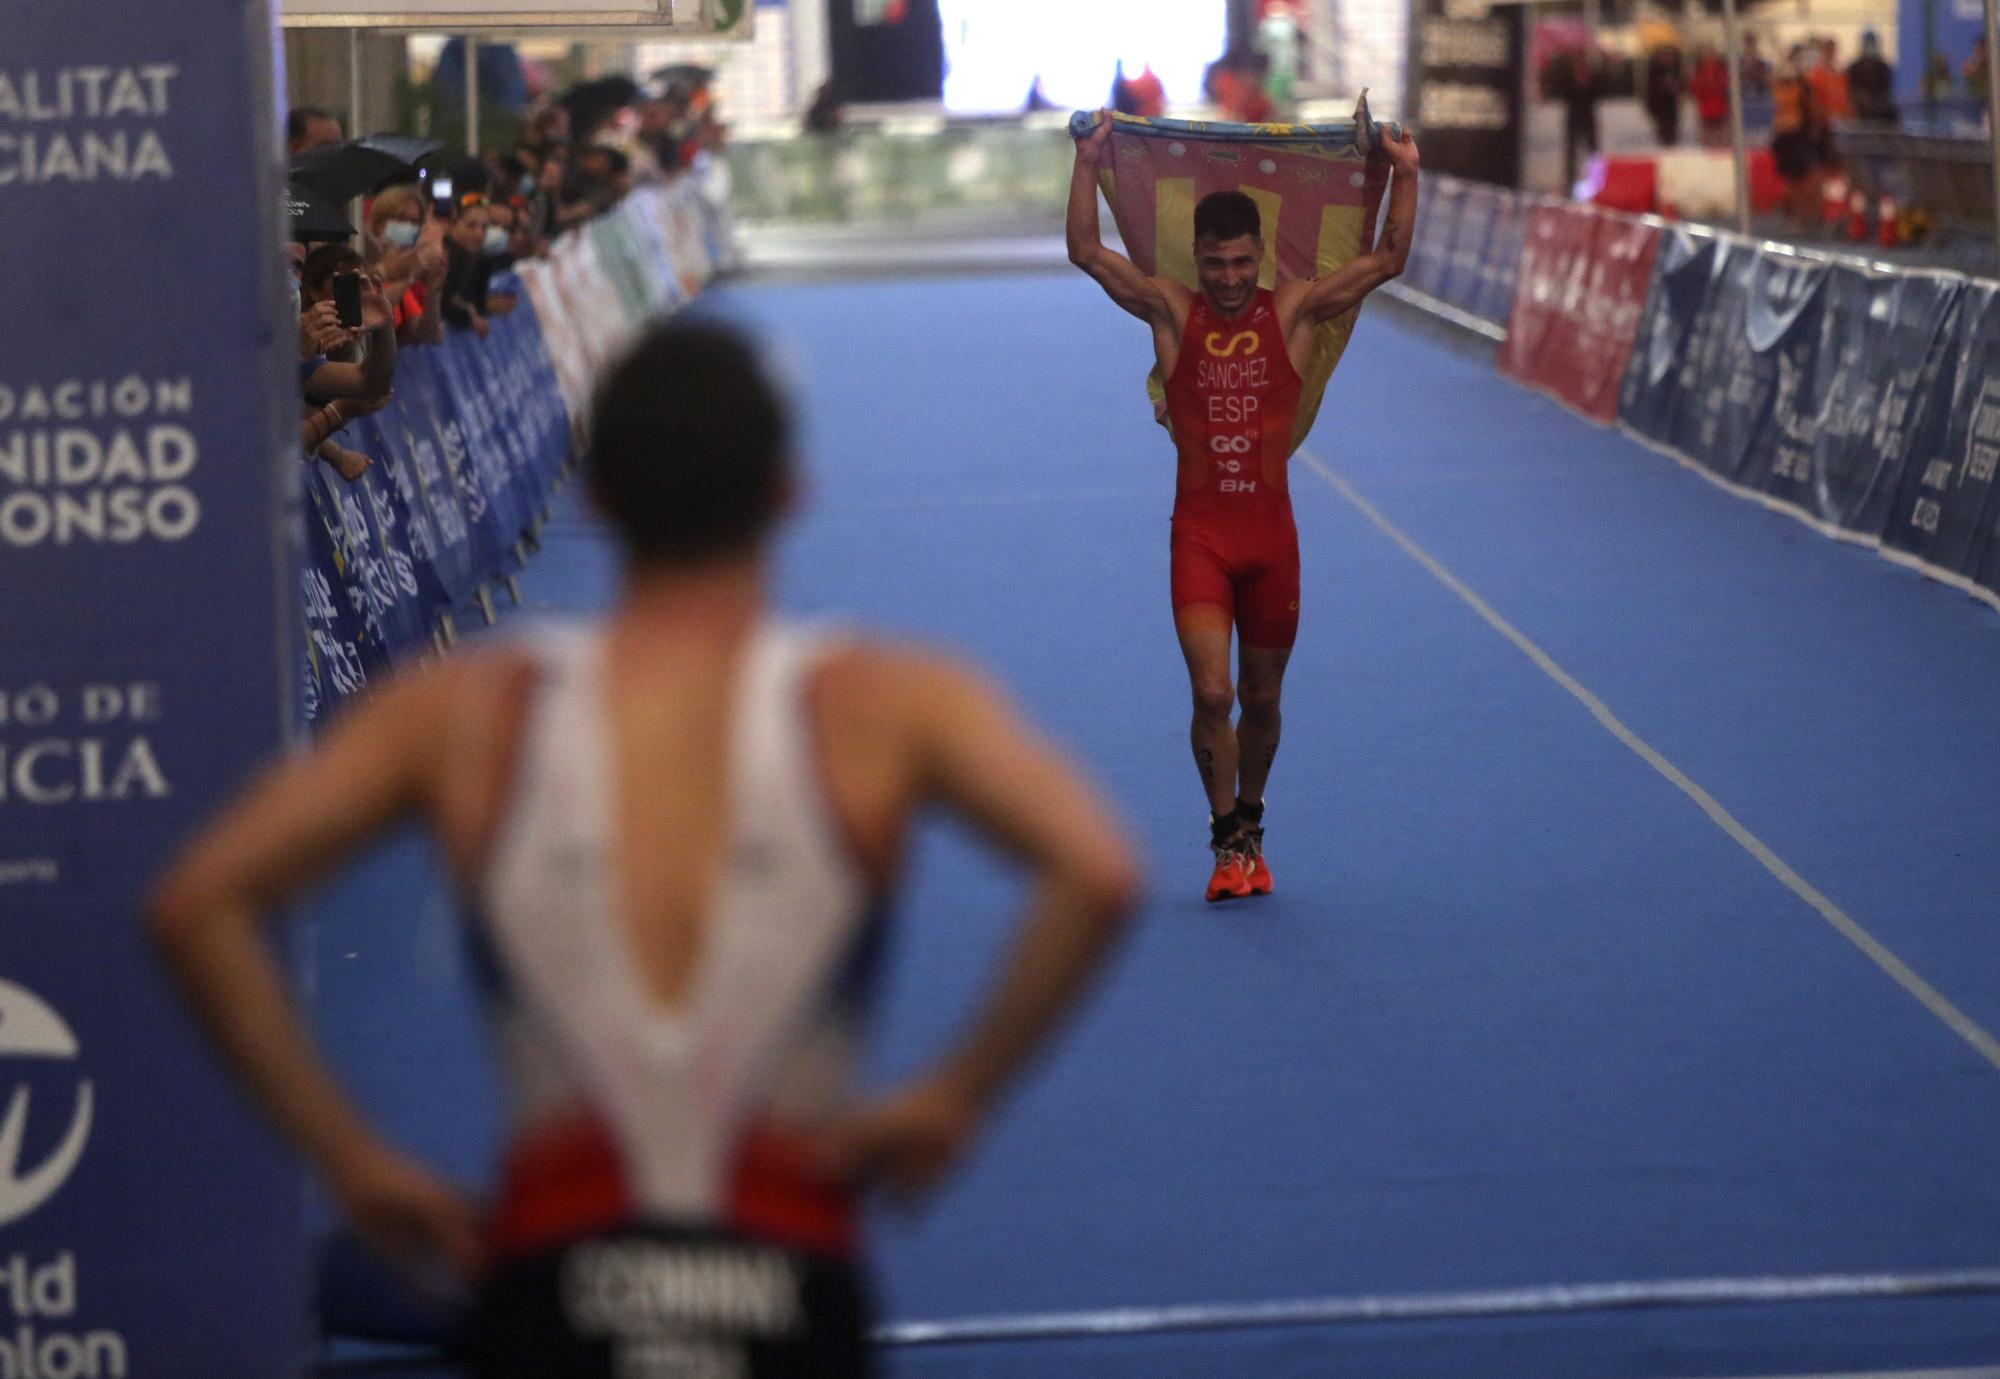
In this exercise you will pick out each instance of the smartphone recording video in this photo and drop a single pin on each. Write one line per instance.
(441, 196)
(347, 300)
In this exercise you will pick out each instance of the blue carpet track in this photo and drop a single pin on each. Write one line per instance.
(1520, 1014)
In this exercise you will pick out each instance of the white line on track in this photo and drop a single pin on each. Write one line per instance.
(1983, 1373)
(1927, 995)
(1561, 1298)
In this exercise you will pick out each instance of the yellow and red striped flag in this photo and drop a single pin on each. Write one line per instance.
(1318, 186)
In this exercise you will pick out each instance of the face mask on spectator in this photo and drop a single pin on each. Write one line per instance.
(496, 242)
(402, 234)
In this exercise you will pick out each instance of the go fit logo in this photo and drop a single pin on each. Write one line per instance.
(30, 1028)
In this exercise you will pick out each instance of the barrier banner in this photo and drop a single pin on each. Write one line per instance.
(1578, 296)
(1439, 199)
(1881, 395)
(337, 650)
(149, 1225)
(382, 588)
(1662, 378)
(1471, 243)
(1945, 511)
(1780, 339)
(1758, 307)
(1495, 296)
(429, 481)
(474, 450)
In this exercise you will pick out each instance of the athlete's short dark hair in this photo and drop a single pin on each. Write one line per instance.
(689, 441)
(1226, 215)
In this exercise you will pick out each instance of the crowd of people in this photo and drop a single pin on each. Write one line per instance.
(434, 247)
(1805, 95)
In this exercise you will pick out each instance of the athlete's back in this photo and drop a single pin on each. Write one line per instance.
(673, 824)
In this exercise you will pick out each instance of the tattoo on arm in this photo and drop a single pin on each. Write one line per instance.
(1391, 233)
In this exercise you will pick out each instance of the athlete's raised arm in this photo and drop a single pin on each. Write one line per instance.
(962, 748)
(1144, 297)
(1325, 298)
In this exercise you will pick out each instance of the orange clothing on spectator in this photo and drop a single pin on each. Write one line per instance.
(410, 306)
(1791, 101)
(1829, 88)
(1149, 98)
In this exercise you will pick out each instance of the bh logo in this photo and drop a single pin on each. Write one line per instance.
(30, 1028)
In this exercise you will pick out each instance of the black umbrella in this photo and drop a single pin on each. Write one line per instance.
(591, 101)
(312, 218)
(689, 76)
(341, 172)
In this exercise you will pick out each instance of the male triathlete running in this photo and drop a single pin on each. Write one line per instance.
(674, 828)
(1232, 355)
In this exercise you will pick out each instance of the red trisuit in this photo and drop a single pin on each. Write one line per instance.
(1232, 403)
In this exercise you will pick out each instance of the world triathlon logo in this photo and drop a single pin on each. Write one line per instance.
(31, 1029)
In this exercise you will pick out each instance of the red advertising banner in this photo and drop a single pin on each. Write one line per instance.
(1577, 302)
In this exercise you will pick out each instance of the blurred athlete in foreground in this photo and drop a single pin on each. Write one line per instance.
(675, 828)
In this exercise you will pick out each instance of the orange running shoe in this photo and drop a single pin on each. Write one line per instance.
(1231, 880)
(1255, 872)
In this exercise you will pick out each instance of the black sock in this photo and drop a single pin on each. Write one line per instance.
(1252, 815)
(1223, 827)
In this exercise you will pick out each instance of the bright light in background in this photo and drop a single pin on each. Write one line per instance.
(994, 49)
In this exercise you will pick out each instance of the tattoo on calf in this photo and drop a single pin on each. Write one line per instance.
(1206, 760)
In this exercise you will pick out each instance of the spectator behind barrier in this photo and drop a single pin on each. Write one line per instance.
(308, 127)
(356, 367)
(1710, 88)
(1795, 129)
(1871, 83)
(406, 251)
(467, 270)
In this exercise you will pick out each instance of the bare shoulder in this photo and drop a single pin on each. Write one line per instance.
(888, 718)
(878, 685)
(475, 709)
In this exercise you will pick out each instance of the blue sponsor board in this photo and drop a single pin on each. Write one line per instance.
(148, 446)
(1494, 298)
(1725, 352)
(1429, 264)
(1944, 511)
(1661, 376)
(1881, 393)
(1471, 243)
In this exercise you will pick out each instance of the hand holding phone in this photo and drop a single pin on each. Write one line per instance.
(347, 299)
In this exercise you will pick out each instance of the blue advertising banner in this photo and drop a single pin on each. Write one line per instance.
(424, 480)
(1471, 243)
(1782, 313)
(1738, 403)
(148, 1225)
(1663, 377)
(1882, 392)
(1944, 513)
(1494, 298)
(337, 651)
(1437, 226)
